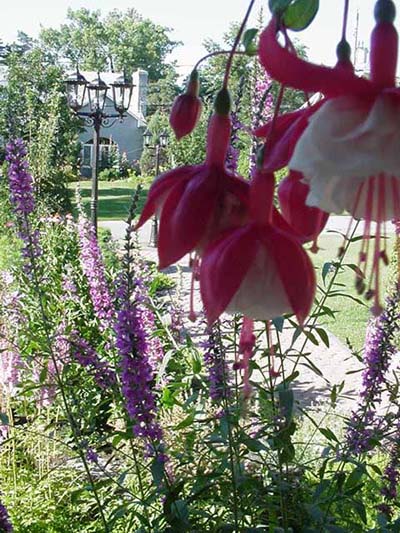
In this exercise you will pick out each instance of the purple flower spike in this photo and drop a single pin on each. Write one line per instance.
(5, 524)
(20, 181)
(218, 374)
(136, 372)
(378, 352)
(93, 268)
(86, 356)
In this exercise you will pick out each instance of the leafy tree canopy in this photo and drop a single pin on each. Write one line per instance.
(117, 41)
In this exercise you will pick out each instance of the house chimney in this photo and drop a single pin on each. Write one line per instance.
(139, 95)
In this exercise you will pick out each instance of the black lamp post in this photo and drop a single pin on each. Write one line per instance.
(161, 142)
(94, 93)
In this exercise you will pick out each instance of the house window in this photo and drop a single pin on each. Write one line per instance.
(104, 155)
(106, 150)
(87, 155)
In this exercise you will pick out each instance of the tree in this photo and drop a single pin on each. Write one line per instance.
(33, 106)
(120, 40)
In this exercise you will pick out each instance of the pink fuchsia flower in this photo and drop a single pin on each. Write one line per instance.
(257, 269)
(186, 109)
(283, 65)
(198, 202)
(308, 222)
(349, 153)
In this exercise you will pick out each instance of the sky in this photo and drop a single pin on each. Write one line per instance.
(193, 21)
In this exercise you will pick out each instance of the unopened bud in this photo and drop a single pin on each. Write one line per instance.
(369, 294)
(360, 285)
(385, 11)
(186, 109)
(384, 257)
(223, 102)
(343, 51)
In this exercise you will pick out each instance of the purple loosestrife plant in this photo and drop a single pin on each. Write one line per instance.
(378, 352)
(22, 199)
(20, 181)
(94, 270)
(10, 365)
(391, 475)
(86, 356)
(214, 359)
(5, 523)
(136, 372)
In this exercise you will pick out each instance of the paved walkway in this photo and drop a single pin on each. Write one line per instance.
(336, 364)
(335, 223)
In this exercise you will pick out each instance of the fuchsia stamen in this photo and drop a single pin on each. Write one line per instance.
(246, 348)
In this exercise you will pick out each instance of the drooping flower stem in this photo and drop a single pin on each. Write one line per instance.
(217, 53)
(235, 45)
(345, 18)
(276, 417)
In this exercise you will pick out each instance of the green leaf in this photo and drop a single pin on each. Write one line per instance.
(254, 445)
(168, 398)
(326, 269)
(328, 433)
(180, 510)
(157, 470)
(188, 421)
(310, 337)
(278, 323)
(286, 401)
(278, 6)
(359, 508)
(4, 419)
(249, 41)
(323, 336)
(300, 14)
(196, 363)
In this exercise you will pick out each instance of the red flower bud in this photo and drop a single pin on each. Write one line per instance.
(186, 109)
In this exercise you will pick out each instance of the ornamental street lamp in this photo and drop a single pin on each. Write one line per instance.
(94, 93)
(161, 142)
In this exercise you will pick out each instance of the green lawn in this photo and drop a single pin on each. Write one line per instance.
(351, 317)
(114, 197)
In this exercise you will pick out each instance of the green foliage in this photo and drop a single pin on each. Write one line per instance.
(109, 174)
(120, 40)
(299, 15)
(33, 106)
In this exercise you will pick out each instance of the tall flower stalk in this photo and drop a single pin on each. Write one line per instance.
(23, 203)
(5, 523)
(93, 267)
(378, 352)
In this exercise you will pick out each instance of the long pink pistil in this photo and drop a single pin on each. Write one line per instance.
(376, 189)
(272, 372)
(194, 263)
(246, 348)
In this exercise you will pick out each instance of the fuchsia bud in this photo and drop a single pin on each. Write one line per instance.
(343, 54)
(186, 109)
(384, 44)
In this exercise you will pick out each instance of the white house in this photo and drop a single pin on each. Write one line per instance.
(126, 135)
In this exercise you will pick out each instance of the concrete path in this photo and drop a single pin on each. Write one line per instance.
(335, 223)
(335, 362)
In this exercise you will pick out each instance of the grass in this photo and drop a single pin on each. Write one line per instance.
(114, 196)
(351, 317)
